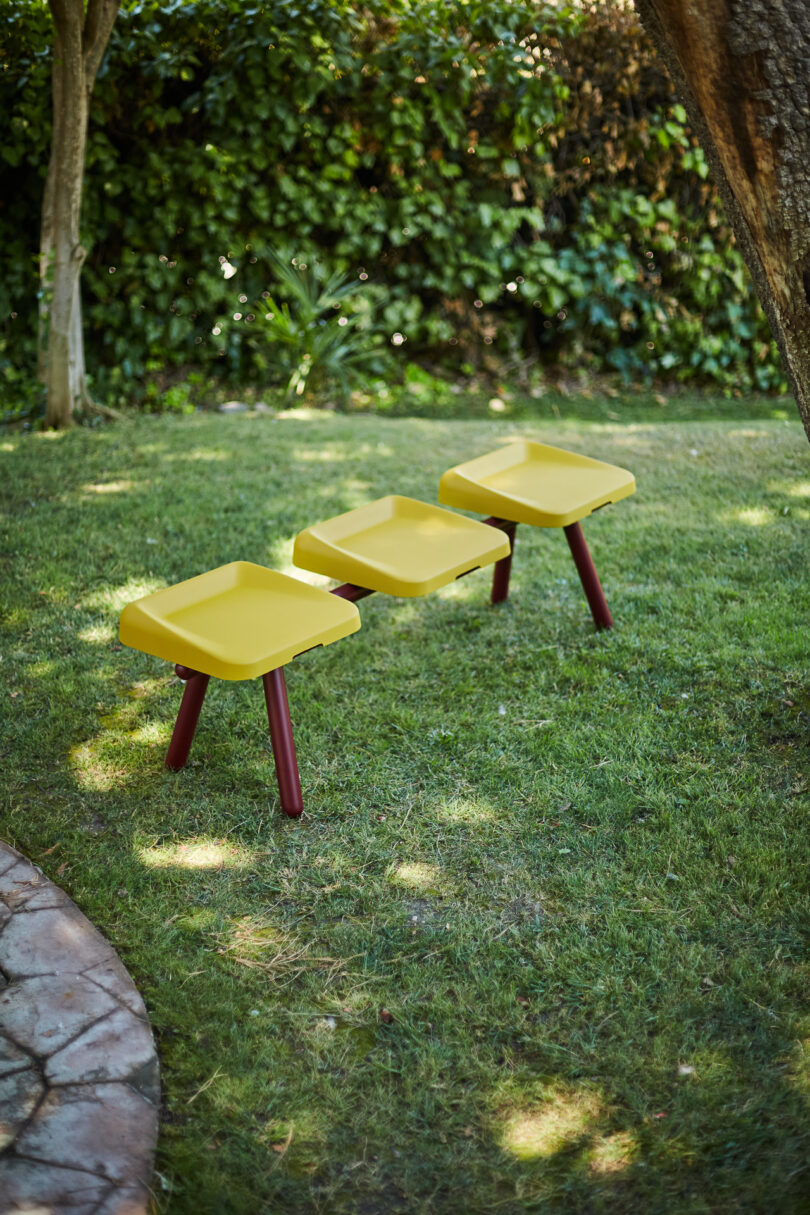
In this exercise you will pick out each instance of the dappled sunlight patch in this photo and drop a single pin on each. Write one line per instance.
(196, 853)
(8, 447)
(800, 490)
(304, 414)
(106, 487)
(470, 586)
(748, 433)
(279, 558)
(43, 668)
(406, 611)
(754, 516)
(539, 1131)
(626, 434)
(625, 451)
(209, 457)
(141, 689)
(610, 1154)
(89, 762)
(375, 450)
(98, 634)
(94, 771)
(307, 576)
(464, 810)
(152, 734)
(116, 598)
(318, 455)
(284, 565)
(420, 877)
(356, 492)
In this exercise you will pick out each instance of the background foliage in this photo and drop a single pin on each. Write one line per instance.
(508, 181)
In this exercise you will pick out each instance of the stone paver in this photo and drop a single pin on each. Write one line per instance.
(41, 942)
(125, 1200)
(79, 1084)
(20, 1094)
(26, 1185)
(115, 1048)
(99, 1125)
(42, 1014)
(113, 978)
(12, 1059)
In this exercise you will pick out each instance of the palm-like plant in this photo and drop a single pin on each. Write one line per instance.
(319, 345)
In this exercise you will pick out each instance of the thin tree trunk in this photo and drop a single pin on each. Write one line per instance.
(79, 42)
(742, 68)
(45, 254)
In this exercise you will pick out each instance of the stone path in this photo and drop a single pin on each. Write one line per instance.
(79, 1086)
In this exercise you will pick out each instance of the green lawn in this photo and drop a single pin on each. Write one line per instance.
(571, 866)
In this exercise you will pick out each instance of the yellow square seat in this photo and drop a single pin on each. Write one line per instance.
(528, 482)
(398, 546)
(236, 622)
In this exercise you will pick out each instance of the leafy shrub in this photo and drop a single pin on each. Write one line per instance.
(500, 171)
(316, 344)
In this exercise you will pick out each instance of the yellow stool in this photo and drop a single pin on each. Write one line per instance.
(239, 621)
(528, 482)
(398, 546)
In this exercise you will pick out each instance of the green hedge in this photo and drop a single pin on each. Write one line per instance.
(509, 178)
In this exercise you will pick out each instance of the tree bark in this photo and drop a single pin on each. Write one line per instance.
(80, 38)
(742, 67)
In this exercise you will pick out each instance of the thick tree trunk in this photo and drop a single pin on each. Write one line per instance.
(742, 68)
(79, 43)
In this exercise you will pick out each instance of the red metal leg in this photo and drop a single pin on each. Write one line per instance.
(347, 590)
(588, 576)
(187, 718)
(281, 736)
(503, 568)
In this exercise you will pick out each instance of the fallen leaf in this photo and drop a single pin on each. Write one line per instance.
(61, 868)
(281, 1148)
(386, 1016)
